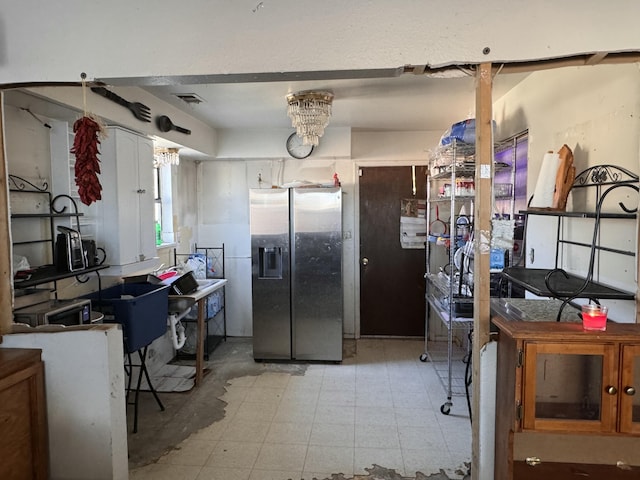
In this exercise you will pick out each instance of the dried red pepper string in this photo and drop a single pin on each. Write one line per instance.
(85, 148)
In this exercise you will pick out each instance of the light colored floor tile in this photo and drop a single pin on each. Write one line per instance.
(375, 416)
(264, 394)
(421, 437)
(272, 380)
(321, 458)
(246, 431)
(385, 457)
(332, 435)
(336, 396)
(426, 460)
(292, 433)
(335, 414)
(220, 473)
(235, 393)
(378, 407)
(373, 398)
(256, 412)
(417, 417)
(315, 475)
(190, 452)
(339, 383)
(405, 399)
(293, 411)
(275, 456)
(301, 382)
(304, 395)
(274, 475)
(234, 455)
(377, 436)
(160, 471)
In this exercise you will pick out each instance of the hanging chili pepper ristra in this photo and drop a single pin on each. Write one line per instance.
(88, 130)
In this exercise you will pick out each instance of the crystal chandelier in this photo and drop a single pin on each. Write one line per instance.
(165, 156)
(309, 112)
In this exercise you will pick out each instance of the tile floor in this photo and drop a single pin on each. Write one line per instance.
(379, 406)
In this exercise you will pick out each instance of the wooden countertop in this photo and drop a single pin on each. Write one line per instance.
(568, 331)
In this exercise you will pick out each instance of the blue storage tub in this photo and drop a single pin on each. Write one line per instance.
(142, 312)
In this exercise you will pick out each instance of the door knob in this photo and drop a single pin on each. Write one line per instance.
(611, 390)
(365, 261)
(629, 390)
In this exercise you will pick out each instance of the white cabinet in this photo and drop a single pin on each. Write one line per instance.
(127, 224)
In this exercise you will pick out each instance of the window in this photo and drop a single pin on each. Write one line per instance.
(163, 211)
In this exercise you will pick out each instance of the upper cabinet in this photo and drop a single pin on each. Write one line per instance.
(127, 219)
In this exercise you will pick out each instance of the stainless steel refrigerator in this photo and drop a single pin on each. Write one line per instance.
(296, 250)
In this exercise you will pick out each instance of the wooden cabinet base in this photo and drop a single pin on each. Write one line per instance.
(569, 471)
(23, 426)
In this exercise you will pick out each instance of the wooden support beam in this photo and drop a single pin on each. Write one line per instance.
(482, 247)
(6, 317)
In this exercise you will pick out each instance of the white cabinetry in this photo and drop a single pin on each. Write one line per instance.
(127, 222)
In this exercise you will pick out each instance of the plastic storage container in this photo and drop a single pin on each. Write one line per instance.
(140, 308)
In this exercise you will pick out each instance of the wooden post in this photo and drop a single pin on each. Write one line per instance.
(6, 318)
(482, 235)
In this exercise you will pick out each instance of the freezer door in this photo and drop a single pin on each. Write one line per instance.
(316, 264)
(270, 272)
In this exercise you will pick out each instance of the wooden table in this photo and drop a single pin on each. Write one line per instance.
(200, 296)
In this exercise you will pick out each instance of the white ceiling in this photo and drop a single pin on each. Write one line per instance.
(407, 102)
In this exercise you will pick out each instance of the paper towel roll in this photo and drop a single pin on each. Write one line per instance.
(546, 184)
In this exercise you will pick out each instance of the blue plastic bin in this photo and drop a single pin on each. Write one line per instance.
(142, 312)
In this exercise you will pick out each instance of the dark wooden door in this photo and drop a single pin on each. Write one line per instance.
(392, 299)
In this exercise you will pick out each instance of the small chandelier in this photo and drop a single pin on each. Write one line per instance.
(165, 156)
(309, 112)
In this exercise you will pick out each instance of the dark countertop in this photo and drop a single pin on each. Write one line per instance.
(533, 310)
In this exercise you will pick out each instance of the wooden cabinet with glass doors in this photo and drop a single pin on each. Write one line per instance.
(566, 401)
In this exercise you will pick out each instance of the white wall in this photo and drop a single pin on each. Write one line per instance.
(246, 36)
(223, 201)
(596, 112)
(84, 387)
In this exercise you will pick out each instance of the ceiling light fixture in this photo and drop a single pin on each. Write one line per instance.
(309, 112)
(165, 156)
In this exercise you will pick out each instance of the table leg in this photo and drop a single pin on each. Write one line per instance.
(200, 341)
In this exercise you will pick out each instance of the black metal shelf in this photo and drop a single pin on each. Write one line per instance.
(556, 213)
(49, 273)
(46, 273)
(558, 283)
(565, 286)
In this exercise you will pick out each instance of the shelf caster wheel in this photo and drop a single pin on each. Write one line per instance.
(445, 408)
(423, 357)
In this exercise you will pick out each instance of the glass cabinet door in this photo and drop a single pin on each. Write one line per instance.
(570, 387)
(629, 386)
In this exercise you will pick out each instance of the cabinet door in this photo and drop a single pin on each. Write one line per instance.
(127, 249)
(570, 387)
(127, 213)
(146, 199)
(629, 386)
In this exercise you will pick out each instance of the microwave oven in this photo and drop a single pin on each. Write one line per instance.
(55, 312)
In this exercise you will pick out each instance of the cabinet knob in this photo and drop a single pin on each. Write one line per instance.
(533, 461)
(629, 390)
(611, 390)
(365, 261)
(141, 190)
